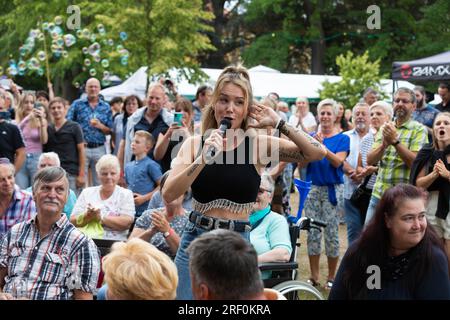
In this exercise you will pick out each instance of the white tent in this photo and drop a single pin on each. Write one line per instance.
(287, 85)
(136, 84)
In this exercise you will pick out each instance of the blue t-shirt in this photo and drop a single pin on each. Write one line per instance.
(141, 177)
(322, 173)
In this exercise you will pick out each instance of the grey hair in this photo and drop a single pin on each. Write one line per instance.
(370, 90)
(107, 161)
(49, 155)
(328, 102)
(408, 91)
(267, 181)
(359, 104)
(387, 107)
(49, 175)
(10, 166)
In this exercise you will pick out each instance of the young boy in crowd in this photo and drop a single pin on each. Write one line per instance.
(143, 174)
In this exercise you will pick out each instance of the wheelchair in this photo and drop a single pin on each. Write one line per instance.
(284, 273)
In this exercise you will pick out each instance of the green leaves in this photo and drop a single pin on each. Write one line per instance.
(358, 73)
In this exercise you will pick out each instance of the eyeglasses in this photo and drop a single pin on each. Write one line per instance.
(404, 101)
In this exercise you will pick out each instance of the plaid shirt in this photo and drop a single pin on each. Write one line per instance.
(47, 263)
(392, 169)
(21, 208)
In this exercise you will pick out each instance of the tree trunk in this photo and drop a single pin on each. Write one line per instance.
(318, 47)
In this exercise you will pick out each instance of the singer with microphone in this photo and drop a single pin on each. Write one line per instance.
(223, 167)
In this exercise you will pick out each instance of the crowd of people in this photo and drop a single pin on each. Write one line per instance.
(157, 177)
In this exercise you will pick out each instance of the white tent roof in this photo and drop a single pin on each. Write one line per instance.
(261, 68)
(287, 85)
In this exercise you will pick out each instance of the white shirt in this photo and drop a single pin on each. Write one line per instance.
(308, 121)
(121, 202)
(352, 160)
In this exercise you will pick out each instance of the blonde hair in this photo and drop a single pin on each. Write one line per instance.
(20, 112)
(107, 161)
(146, 135)
(136, 270)
(238, 76)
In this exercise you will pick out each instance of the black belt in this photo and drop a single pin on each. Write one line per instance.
(91, 145)
(209, 223)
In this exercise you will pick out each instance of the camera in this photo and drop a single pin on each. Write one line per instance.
(38, 105)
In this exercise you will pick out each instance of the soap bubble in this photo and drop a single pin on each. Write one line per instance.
(22, 65)
(69, 40)
(41, 36)
(105, 82)
(21, 73)
(124, 53)
(60, 42)
(77, 85)
(123, 35)
(85, 50)
(86, 33)
(34, 63)
(40, 71)
(65, 54)
(45, 25)
(105, 63)
(124, 61)
(94, 49)
(93, 38)
(101, 28)
(87, 62)
(106, 74)
(51, 26)
(12, 71)
(119, 48)
(34, 33)
(92, 72)
(97, 58)
(41, 55)
(54, 35)
(23, 50)
(58, 20)
(79, 33)
(111, 42)
(58, 30)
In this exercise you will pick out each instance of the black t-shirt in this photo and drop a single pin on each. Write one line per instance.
(64, 142)
(442, 107)
(10, 140)
(155, 128)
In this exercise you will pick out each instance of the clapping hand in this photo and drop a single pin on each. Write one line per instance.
(92, 213)
(389, 133)
(159, 221)
(440, 168)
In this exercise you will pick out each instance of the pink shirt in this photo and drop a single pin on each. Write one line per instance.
(32, 136)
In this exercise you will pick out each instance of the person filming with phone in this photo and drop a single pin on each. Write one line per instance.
(169, 143)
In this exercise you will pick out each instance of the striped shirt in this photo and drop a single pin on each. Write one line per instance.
(392, 169)
(366, 146)
(48, 263)
(21, 208)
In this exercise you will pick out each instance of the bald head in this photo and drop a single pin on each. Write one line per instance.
(93, 88)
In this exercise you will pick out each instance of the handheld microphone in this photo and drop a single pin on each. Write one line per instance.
(224, 125)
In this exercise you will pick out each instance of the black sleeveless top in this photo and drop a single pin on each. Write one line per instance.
(231, 182)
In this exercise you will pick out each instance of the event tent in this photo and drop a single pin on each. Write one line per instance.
(287, 85)
(436, 67)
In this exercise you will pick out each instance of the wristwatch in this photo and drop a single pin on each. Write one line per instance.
(396, 143)
(166, 234)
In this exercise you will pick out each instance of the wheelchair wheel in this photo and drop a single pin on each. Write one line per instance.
(298, 290)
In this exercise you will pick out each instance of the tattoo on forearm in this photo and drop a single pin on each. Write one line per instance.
(192, 170)
(297, 155)
(285, 129)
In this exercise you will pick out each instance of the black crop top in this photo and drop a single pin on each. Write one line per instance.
(232, 184)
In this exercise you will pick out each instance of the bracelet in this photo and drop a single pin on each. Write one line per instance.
(282, 127)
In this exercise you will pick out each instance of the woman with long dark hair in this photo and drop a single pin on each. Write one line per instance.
(398, 256)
